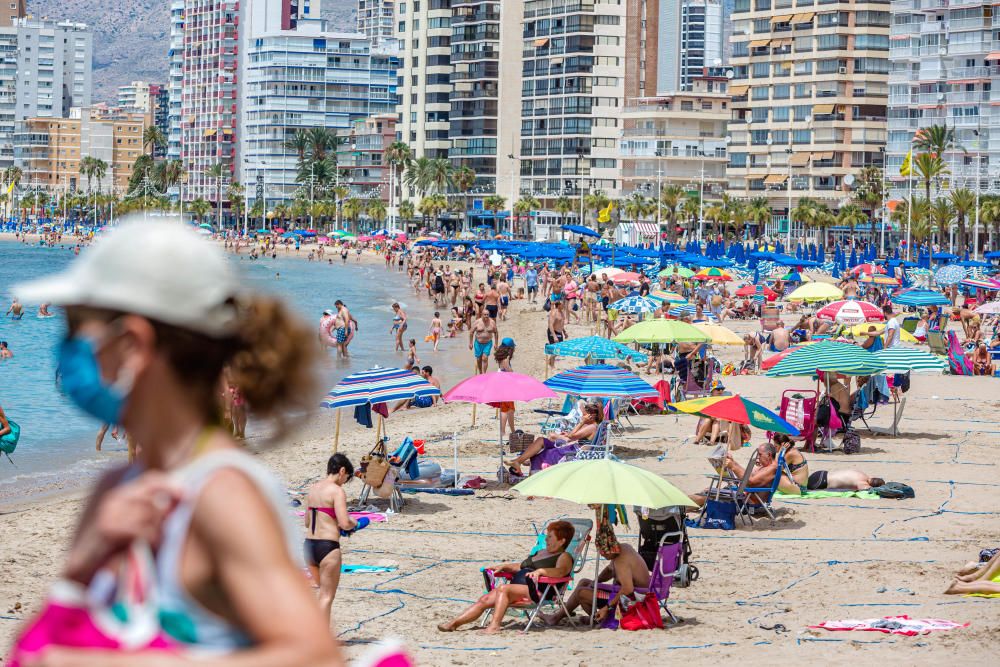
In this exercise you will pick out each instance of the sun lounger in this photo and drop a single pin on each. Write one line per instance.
(551, 589)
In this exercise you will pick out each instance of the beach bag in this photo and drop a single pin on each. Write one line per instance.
(719, 515)
(895, 491)
(823, 411)
(71, 616)
(643, 615)
(606, 542)
(375, 466)
(902, 382)
(851, 442)
(519, 440)
(506, 476)
(8, 443)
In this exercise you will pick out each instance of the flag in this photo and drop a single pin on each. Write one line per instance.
(605, 213)
(10, 188)
(906, 168)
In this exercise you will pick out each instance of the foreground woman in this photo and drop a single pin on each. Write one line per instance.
(153, 316)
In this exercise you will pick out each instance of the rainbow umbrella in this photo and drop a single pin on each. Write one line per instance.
(735, 409)
(663, 295)
(877, 279)
(712, 273)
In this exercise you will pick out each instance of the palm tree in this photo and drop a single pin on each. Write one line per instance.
(596, 201)
(440, 176)
(352, 209)
(691, 207)
(805, 212)
(416, 176)
(670, 197)
(870, 189)
(464, 178)
(716, 213)
(635, 206)
(523, 207)
(989, 213)
(200, 209)
(431, 206)
(298, 143)
(739, 212)
(936, 140)
(495, 204)
(920, 226)
(321, 140)
(963, 202)
(218, 172)
(851, 215)
(406, 211)
(153, 137)
(563, 206)
(236, 195)
(376, 210)
(929, 166)
(941, 213)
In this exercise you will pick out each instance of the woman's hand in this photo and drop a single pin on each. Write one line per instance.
(601, 613)
(535, 574)
(132, 511)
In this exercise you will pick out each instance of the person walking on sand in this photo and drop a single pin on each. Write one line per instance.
(503, 355)
(556, 331)
(327, 522)
(150, 358)
(482, 336)
(503, 289)
(398, 326)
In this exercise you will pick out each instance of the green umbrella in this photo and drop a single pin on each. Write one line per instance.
(906, 359)
(679, 270)
(603, 482)
(341, 232)
(830, 357)
(662, 331)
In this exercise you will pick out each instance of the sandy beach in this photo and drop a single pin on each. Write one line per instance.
(826, 559)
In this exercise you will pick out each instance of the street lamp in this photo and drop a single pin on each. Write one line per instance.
(514, 185)
(975, 225)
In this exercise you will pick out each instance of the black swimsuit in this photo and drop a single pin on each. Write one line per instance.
(530, 564)
(317, 550)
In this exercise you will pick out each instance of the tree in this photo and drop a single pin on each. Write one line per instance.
(236, 194)
(716, 213)
(431, 206)
(376, 210)
(299, 143)
(635, 207)
(596, 201)
(321, 140)
(417, 175)
(670, 198)
(805, 212)
(929, 167)
(989, 213)
(941, 214)
(406, 211)
(200, 209)
(464, 179)
(935, 140)
(739, 213)
(218, 172)
(439, 176)
(691, 207)
(963, 203)
(153, 137)
(495, 204)
(523, 207)
(870, 189)
(850, 216)
(563, 206)
(920, 226)
(352, 209)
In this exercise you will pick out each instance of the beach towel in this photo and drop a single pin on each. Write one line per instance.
(366, 569)
(892, 625)
(810, 495)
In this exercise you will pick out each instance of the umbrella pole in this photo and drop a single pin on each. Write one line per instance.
(597, 572)
(454, 443)
(473, 415)
(336, 433)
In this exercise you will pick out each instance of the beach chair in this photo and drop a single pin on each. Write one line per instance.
(551, 589)
(798, 407)
(661, 577)
(692, 388)
(937, 342)
(600, 446)
(770, 319)
(737, 487)
(764, 494)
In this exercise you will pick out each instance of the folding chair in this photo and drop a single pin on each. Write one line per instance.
(937, 343)
(798, 407)
(551, 589)
(897, 416)
(717, 492)
(668, 562)
(600, 446)
(743, 504)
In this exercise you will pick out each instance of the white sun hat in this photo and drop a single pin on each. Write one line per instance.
(159, 269)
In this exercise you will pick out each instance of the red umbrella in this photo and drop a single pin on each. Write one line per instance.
(625, 277)
(750, 290)
(867, 268)
(850, 311)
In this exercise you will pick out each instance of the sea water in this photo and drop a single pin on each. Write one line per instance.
(57, 439)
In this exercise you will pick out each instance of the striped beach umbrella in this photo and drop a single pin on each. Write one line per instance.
(980, 283)
(830, 357)
(625, 277)
(850, 311)
(594, 347)
(634, 304)
(712, 273)
(905, 359)
(867, 268)
(677, 269)
(601, 381)
(735, 409)
(663, 295)
(989, 308)
(775, 359)
(921, 297)
(683, 311)
(795, 277)
(378, 385)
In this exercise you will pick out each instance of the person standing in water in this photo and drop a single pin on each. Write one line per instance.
(154, 314)
(398, 326)
(326, 521)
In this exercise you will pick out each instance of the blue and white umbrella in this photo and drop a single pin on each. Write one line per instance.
(683, 311)
(594, 347)
(601, 381)
(921, 298)
(951, 274)
(634, 304)
(378, 385)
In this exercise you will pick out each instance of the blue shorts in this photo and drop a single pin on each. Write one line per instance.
(423, 401)
(482, 349)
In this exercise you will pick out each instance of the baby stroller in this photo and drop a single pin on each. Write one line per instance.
(665, 526)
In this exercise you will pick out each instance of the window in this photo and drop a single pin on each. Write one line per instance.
(761, 70)
(759, 137)
(802, 136)
(603, 163)
(759, 114)
(802, 111)
(401, 27)
(781, 92)
(687, 105)
(780, 114)
(759, 92)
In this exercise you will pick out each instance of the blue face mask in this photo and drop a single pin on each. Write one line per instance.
(80, 379)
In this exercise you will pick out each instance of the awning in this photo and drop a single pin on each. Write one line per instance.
(804, 17)
(542, 42)
(822, 156)
(994, 55)
(227, 131)
(784, 18)
(799, 159)
(647, 229)
(736, 91)
(775, 178)
(757, 43)
(823, 108)
(209, 133)
(778, 43)
(555, 61)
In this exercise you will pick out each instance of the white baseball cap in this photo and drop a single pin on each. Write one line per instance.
(162, 270)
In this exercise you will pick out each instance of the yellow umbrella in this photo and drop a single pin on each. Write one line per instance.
(603, 482)
(719, 334)
(862, 329)
(816, 292)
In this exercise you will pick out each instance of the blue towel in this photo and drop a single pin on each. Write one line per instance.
(363, 415)
(365, 569)
(407, 454)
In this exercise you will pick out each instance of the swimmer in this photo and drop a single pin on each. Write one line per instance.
(43, 310)
(5, 352)
(16, 310)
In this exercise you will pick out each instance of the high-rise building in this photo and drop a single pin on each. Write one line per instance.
(303, 79)
(9, 11)
(175, 85)
(45, 69)
(151, 99)
(809, 94)
(689, 33)
(360, 156)
(375, 21)
(944, 64)
(572, 93)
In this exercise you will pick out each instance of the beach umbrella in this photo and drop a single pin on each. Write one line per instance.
(663, 295)
(949, 275)
(751, 290)
(921, 297)
(854, 257)
(373, 386)
(774, 359)
(978, 283)
(712, 273)
(683, 310)
(625, 277)
(594, 347)
(862, 329)
(602, 381)
(735, 409)
(497, 387)
(850, 312)
(829, 357)
(608, 271)
(681, 271)
(906, 359)
(634, 304)
(603, 482)
(989, 308)
(816, 291)
(866, 268)
(719, 335)
(662, 331)
(874, 279)
(795, 277)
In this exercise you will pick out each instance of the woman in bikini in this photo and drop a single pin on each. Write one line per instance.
(398, 326)
(326, 520)
(797, 465)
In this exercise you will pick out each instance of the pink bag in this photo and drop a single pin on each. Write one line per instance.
(73, 618)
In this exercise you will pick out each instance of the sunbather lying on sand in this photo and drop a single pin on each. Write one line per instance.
(848, 480)
(982, 578)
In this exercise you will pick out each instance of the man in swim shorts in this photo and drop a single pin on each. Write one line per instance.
(482, 336)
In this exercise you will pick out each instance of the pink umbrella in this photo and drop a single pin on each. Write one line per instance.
(497, 387)
(625, 277)
(850, 312)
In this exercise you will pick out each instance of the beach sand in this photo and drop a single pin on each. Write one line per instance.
(822, 559)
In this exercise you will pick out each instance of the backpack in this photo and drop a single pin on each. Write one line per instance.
(823, 412)
(8, 443)
(895, 491)
(851, 442)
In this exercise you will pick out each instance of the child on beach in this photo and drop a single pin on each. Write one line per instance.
(412, 359)
(436, 328)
